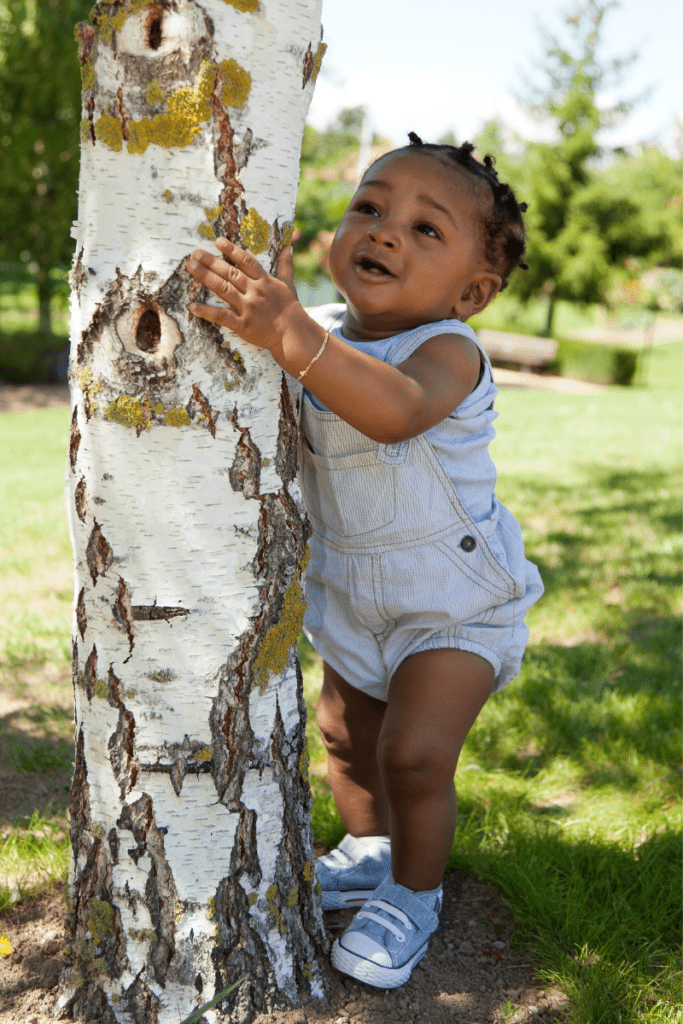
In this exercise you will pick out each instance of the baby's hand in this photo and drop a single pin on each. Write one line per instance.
(259, 303)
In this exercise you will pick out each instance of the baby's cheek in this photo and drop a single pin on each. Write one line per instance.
(336, 254)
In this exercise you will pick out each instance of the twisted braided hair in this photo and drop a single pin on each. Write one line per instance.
(502, 226)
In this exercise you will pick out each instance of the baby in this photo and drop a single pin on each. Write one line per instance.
(417, 584)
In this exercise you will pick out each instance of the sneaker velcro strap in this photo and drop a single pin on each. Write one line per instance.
(403, 899)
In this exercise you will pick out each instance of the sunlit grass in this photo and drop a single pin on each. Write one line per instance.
(35, 552)
(33, 856)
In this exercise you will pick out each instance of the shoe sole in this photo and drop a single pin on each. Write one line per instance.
(335, 900)
(372, 974)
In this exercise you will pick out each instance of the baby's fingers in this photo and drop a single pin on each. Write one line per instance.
(240, 258)
(224, 280)
(214, 314)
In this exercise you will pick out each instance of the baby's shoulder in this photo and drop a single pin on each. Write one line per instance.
(329, 316)
(445, 334)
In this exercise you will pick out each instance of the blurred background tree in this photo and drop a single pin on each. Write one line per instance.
(567, 256)
(590, 210)
(323, 191)
(40, 111)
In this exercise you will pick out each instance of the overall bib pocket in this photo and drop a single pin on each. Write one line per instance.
(350, 495)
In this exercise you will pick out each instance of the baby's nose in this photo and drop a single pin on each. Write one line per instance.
(382, 236)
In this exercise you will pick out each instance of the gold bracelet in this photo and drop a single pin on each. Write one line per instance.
(320, 352)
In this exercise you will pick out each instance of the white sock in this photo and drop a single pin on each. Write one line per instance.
(372, 846)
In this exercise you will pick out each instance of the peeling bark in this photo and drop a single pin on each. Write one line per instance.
(188, 541)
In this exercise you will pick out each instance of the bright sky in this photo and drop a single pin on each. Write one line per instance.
(432, 66)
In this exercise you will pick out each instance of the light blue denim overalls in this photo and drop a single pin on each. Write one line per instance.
(411, 550)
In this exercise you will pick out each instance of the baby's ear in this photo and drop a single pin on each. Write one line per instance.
(480, 291)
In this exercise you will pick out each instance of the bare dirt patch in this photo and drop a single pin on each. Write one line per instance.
(469, 972)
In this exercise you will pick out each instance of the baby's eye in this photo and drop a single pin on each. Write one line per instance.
(427, 229)
(367, 208)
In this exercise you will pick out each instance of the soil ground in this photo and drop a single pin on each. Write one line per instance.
(468, 976)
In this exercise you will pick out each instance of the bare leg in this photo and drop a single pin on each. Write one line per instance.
(434, 699)
(350, 724)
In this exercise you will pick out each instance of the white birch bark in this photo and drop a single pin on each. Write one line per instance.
(192, 861)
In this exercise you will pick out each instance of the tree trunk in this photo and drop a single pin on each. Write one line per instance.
(549, 317)
(44, 285)
(192, 863)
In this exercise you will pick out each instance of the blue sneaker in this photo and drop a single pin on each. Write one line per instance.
(388, 936)
(350, 874)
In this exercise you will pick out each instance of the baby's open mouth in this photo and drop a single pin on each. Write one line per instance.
(373, 267)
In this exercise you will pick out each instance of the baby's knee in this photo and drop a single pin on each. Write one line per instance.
(333, 731)
(405, 761)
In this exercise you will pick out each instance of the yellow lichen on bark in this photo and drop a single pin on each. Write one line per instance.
(281, 637)
(236, 83)
(186, 109)
(287, 234)
(255, 232)
(87, 382)
(108, 129)
(207, 230)
(244, 5)
(126, 411)
(155, 94)
(177, 417)
(317, 60)
(88, 75)
(101, 921)
(106, 24)
(101, 689)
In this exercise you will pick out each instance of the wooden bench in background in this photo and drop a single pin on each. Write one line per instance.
(526, 351)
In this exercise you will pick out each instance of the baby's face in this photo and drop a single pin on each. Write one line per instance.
(408, 248)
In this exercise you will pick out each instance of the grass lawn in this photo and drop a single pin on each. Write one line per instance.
(569, 784)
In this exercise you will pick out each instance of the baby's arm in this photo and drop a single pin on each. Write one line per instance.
(386, 403)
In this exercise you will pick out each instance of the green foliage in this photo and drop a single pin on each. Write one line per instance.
(323, 195)
(320, 206)
(26, 353)
(40, 110)
(598, 362)
(570, 252)
(635, 207)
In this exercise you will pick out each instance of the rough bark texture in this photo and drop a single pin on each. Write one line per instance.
(192, 858)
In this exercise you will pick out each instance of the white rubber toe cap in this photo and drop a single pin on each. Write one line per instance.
(361, 945)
